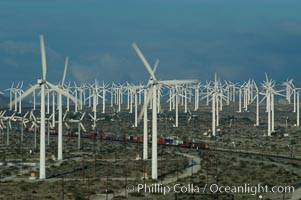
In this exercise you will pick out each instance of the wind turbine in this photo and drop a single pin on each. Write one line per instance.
(145, 134)
(1, 121)
(217, 96)
(298, 107)
(11, 89)
(34, 125)
(257, 103)
(269, 92)
(176, 95)
(191, 116)
(95, 120)
(23, 120)
(41, 83)
(8, 120)
(60, 127)
(79, 126)
(296, 92)
(196, 95)
(289, 86)
(153, 82)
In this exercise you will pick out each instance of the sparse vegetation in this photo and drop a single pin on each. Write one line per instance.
(103, 168)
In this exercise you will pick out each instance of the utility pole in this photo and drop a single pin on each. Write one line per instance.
(126, 180)
(107, 182)
(88, 182)
(63, 188)
(83, 168)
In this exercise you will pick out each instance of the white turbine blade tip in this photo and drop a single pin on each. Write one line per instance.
(43, 56)
(144, 61)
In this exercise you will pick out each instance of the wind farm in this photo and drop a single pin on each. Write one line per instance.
(152, 100)
(193, 132)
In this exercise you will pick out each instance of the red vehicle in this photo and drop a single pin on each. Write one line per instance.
(161, 140)
(92, 135)
(185, 144)
(102, 136)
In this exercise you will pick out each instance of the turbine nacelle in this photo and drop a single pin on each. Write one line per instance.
(152, 81)
(40, 81)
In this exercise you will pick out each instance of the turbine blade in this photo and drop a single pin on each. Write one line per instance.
(32, 116)
(2, 114)
(50, 116)
(177, 82)
(67, 126)
(262, 99)
(26, 93)
(25, 114)
(189, 119)
(83, 128)
(148, 99)
(63, 92)
(156, 66)
(146, 64)
(82, 116)
(65, 115)
(43, 56)
(32, 125)
(65, 70)
(91, 116)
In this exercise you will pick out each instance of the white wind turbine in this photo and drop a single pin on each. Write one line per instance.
(217, 97)
(133, 90)
(257, 103)
(145, 135)
(23, 120)
(42, 82)
(295, 99)
(104, 91)
(95, 94)
(239, 98)
(1, 120)
(153, 82)
(34, 126)
(269, 92)
(95, 119)
(247, 94)
(19, 91)
(296, 92)
(15, 91)
(289, 86)
(68, 100)
(176, 95)
(8, 120)
(246, 91)
(35, 121)
(112, 90)
(11, 89)
(298, 106)
(15, 94)
(79, 126)
(118, 95)
(207, 86)
(196, 95)
(185, 97)
(129, 98)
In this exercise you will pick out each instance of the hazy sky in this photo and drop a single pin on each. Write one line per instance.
(238, 39)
